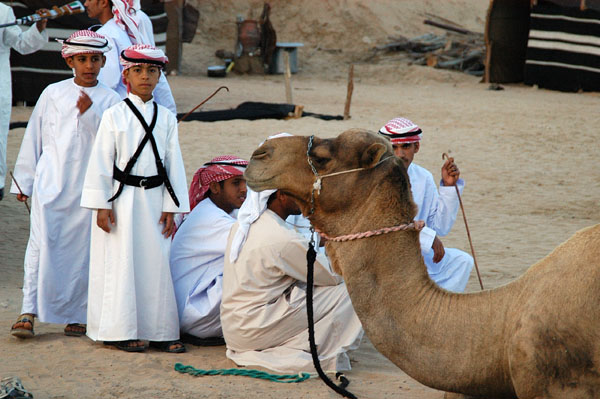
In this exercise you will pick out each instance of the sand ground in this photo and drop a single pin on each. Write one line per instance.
(529, 158)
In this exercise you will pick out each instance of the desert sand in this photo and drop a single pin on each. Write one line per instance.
(529, 158)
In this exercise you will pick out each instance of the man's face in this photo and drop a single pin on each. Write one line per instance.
(231, 195)
(406, 152)
(93, 8)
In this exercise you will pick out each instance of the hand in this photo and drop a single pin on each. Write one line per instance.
(41, 24)
(84, 102)
(438, 250)
(166, 219)
(22, 197)
(450, 172)
(105, 219)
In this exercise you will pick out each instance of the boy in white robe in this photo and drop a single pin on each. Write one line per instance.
(123, 26)
(450, 268)
(263, 308)
(217, 190)
(25, 42)
(135, 182)
(50, 169)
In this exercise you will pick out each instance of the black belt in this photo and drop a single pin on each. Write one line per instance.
(137, 181)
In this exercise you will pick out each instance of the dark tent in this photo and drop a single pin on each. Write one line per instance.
(32, 73)
(554, 44)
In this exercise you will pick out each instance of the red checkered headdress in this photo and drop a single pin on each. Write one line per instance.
(401, 131)
(218, 169)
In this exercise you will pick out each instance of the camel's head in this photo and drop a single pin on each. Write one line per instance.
(282, 163)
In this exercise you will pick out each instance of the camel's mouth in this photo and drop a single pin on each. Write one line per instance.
(256, 179)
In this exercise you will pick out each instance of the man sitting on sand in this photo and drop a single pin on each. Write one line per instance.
(448, 267)
(263, 309)
(197, 253)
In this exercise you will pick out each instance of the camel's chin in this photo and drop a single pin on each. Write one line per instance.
(261, 185)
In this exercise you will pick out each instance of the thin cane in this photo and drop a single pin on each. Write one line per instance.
(202, 103)
(21, 191)
(445, 156)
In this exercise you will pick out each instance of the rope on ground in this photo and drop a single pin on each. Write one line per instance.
(283, 378)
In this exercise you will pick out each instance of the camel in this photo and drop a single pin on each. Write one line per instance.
(536, 337)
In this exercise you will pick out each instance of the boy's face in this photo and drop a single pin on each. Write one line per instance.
(230, 195)
(86, 67)
(406, 152)
(142, 79)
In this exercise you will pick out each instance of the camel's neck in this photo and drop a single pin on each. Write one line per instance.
(426, 331)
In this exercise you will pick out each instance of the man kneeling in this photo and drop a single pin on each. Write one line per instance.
(217, 191)
(263, 309)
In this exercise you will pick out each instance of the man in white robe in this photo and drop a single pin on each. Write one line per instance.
(123, 27)
(197, 253)
(131, 296)
(450, 268)
(25, 42)
(50, 169)
(263, 309)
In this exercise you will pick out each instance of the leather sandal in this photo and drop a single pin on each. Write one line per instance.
(127, 345)
(22, 332)
(165, 346)
(75, 329)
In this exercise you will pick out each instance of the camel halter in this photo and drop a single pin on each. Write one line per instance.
(418, 225)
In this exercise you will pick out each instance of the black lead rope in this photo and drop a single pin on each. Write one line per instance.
(311, 255)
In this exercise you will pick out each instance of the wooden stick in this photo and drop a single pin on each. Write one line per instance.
(349, 92)
(288, 78)
(202, 103)
(444, 156)
(21, 191)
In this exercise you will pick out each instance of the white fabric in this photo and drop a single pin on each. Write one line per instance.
(50, 169)
(439, 209)
(83, 42)
(110, 75)
(263, 308)
(197, 256)
(254, 205)
(128, 19)
(25, 42)
(131, 293)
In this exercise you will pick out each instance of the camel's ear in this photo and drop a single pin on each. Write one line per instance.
(372, 155)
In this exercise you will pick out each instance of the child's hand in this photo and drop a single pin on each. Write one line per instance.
(22, 197)
(105, 218)
(166, 219)
(84, 102)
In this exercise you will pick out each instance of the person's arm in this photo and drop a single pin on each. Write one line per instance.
(31, 149)
(25, 42)
(440, 207)
(293, 256)
(110, 74)
(98, 183)
(173, 163)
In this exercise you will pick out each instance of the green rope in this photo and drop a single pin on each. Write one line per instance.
(285, 378)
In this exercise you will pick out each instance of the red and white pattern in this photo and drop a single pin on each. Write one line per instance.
(84, 42)
(401, 130)
(214, 173)
(124, 12)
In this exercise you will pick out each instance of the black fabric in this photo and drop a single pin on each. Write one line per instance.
(573, 66)
(252, 111)
(137, 181)
(160, 168)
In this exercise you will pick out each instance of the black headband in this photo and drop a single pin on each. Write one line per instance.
(408, 134)
(224, 163)
(86, 45)
(142, 60)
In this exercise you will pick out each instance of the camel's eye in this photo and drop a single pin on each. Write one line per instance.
(320, 162)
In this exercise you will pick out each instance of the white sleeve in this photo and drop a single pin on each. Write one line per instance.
(31, 149)
(25, 42)
(173, 163)
(110, 74)
(98, 184)
(293, 256)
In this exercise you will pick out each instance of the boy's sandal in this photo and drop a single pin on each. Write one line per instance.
(127, 346)
(75, 329)
(166, 346)
(11, 388)
(22, 332)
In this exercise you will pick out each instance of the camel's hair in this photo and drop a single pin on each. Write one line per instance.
(536, 337)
